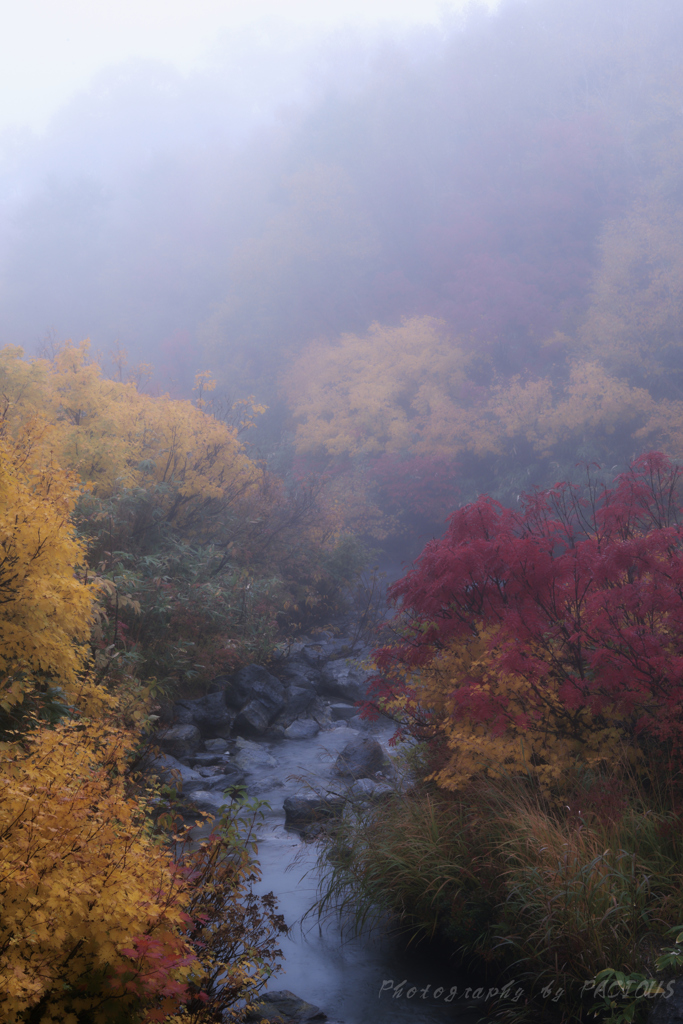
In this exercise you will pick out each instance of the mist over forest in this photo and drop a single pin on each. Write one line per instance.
(499, 197)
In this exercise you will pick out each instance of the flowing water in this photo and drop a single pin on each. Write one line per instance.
(353, 979)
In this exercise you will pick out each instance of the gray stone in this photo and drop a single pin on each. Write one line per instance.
(345, 679)
(668, 1008)
(217, 746)
(368, 789)
(222, 782)
(205, 760)
(361, 758)
(284, 1006)
(252, 720)
(343, 712)
(173, 773)
(299, 673)
(304, 729)
(362, 724)
(180, 740)
(251, 757)
(301, 811)
(210, 714)
(299, 700)
(210, 800)
(256, 683)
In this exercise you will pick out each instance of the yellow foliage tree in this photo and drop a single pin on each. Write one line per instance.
(45, 606)
(92, 907)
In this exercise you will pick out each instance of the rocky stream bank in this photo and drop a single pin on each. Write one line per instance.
(291, 735)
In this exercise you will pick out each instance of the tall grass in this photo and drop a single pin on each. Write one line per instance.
(509, 877)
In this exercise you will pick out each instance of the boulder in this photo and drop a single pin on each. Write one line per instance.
(361, 758)
(252, 720)
(173, 773)
(267, 697)
(180, 740)
(251, 757)
(225, 781)
(284, 1006)
(210, 800)
(296, 672)
(346, 680)
(343, 712)
(255, 683)
(304, 810)
(216, 746)
(304, 729)
(668, 1008)
(205, 760)
(362, 724)
(210, 714)
(299, 700)
(368, 789)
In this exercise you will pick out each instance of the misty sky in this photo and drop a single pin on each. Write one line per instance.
(50, 49)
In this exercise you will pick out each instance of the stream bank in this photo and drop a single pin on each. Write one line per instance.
(291, 736)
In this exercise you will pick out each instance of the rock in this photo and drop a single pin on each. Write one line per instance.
(362, 724)
(217, 746)
(180, 740)
(256, 683)
(345, 679)
(343, 712)
(668, 1008)
(360, 759)
(210, 714)
(301, 811)
(299, 700)
(299, 673)
(205, 760)
(223, 782)
(284, 1006)
(368, 789)
(305, 729)
(252, 720)
(251, 757)
(173, 773)
(267, 698)
(210, 800)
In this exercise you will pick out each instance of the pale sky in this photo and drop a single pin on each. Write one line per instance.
(50, 49)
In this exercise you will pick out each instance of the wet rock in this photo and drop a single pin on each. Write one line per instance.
(299, 700)
(173, 773)
(252, 720)
(284, 1007)
(180, 740)
(368, 789)
(346, 680)
(210, 714)
(343, 712)
(304, 810)
(304, 729)
(225, 781)
(205, 760)
(362, 724)
(251, 757)
(255, 683)
(668, 1008)
(216, 746)
(360, 759)
(300, 674)
(266, 699)
(210, 800)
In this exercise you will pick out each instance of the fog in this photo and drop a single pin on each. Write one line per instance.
(512, 173)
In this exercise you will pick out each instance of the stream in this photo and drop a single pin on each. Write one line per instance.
(353, 979)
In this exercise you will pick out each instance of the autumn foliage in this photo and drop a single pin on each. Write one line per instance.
(533, 639)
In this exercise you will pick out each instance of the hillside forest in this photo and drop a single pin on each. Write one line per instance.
(425, 316)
